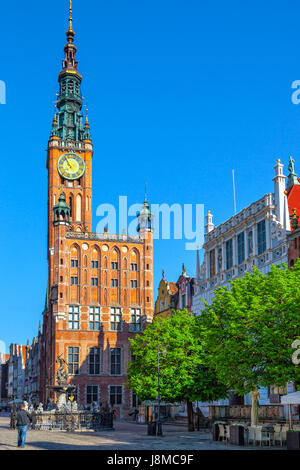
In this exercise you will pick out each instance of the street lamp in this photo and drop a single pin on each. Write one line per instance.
(71, 398)
(159, 424)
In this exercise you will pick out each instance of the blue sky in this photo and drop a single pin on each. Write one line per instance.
(179, 92)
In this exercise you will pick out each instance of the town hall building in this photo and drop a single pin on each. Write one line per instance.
(100, 285)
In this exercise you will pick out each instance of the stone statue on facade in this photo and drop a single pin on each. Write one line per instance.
(294, 219)
(220, 259)
(291, 166)
(61, 374)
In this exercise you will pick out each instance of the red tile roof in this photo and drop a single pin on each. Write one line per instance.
(293, 196)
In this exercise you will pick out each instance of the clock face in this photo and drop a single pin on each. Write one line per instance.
(71, 166)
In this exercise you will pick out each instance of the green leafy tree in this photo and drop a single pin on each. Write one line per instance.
(248, 331)
(183, 373)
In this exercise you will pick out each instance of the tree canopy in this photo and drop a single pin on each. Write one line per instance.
(183, 373)
(248, 330)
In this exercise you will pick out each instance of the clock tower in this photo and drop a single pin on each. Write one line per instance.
(70, 150)
(100, 285)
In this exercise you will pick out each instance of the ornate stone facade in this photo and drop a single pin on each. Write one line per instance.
(256, 236)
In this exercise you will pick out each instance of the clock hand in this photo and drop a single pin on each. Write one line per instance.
(70, 166)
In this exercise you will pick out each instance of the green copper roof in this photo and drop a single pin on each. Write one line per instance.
(69, 122)
(61, 203)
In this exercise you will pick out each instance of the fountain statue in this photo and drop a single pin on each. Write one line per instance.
(62, 388)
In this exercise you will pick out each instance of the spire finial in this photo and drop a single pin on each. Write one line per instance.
(70, 32)
(70, 17)
(87, 125)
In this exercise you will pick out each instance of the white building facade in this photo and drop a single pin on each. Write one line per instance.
(256, 236)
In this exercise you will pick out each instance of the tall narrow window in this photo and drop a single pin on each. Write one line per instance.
(115, 361)
(78, 208)
(94, 361)
(73, 360)
(241, 247)
(91, 394)
(115, 395)
(229, 258)
(261, 237)
(212, 263)
(115, 319)
(73, 317)
(71, 206)
(135, 324)
(94, 317)
(250, 242)
(114, 283)
(133, 283)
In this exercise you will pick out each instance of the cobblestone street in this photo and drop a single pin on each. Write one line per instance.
(126, 436)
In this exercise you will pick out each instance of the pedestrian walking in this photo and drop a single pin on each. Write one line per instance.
(134, 414)
(23, 420)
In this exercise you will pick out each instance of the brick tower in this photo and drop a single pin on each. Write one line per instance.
(100, 286)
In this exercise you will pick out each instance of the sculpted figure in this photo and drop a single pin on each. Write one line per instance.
(61, 374)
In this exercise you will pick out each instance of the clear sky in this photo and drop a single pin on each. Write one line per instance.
(179, 93)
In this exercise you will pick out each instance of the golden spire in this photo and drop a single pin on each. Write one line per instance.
(70, 17)
(55, 121)
(70, 32)
(87, 124)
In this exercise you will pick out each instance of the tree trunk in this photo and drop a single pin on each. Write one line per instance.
(190, 412)
(254, 407)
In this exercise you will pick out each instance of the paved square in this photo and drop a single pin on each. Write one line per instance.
(126, 436)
